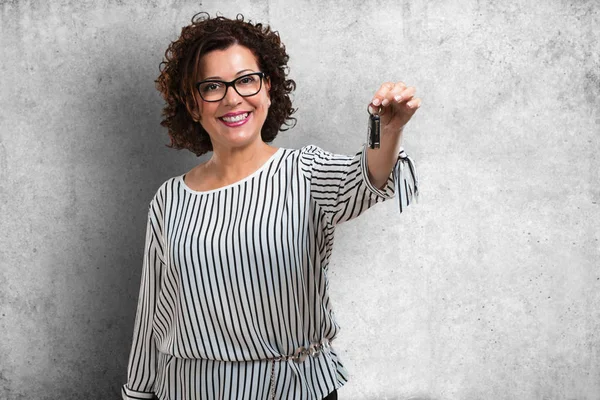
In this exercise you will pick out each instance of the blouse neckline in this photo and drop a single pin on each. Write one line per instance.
(252, 175)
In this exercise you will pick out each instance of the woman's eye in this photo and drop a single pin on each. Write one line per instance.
(210, 87)
(247, 80)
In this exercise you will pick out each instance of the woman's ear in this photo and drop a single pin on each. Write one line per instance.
(268, 86)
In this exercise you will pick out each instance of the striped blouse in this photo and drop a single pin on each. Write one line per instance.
(237, 276)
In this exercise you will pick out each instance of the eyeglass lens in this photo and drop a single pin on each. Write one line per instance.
(247, 85)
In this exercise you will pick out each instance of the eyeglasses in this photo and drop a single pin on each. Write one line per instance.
(246, 85)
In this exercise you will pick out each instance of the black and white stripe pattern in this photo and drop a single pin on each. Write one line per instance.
(235, 276)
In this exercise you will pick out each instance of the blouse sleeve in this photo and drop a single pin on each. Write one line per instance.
(141, 371)
(340, 184)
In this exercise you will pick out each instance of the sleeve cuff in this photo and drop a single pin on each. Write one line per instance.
(403, 182)
(388, 191)
(129, 394)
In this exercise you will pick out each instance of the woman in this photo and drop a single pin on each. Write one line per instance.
(233, 301)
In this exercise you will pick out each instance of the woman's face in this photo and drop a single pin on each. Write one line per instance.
(216, 117)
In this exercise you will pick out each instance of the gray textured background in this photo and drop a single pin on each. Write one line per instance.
(489, 288)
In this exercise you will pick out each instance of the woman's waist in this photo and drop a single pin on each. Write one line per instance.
(295, 351)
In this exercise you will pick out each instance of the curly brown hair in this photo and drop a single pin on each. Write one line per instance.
(179, 70)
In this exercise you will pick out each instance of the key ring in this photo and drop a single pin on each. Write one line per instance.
(379, 111)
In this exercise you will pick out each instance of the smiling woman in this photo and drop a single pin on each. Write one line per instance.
(234, 299)
(219, 108)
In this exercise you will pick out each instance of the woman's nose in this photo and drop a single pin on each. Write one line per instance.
(232, 97)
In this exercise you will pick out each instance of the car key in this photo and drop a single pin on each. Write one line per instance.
(374, 135)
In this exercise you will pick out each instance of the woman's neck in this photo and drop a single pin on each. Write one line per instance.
(234, 164)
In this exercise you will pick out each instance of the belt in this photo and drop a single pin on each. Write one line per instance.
(301, 353)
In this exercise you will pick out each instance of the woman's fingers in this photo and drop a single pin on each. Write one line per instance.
(380, 95)
(403, 94)
(391, 92)
(414, 103)
(397, 96)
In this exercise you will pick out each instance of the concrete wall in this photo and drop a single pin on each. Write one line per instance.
(489, 288)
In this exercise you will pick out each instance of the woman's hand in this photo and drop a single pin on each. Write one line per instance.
(398, 104)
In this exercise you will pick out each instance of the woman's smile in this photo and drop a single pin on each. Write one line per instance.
(235, 119)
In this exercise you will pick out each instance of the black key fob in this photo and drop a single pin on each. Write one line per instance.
(374, 130)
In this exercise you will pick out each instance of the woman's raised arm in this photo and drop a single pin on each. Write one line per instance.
(397, 105)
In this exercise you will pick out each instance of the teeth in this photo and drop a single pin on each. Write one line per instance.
(236, 118)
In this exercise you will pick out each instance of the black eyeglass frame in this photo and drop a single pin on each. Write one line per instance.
(231, 84)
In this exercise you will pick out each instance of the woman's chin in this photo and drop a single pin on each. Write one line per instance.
(240, 139)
